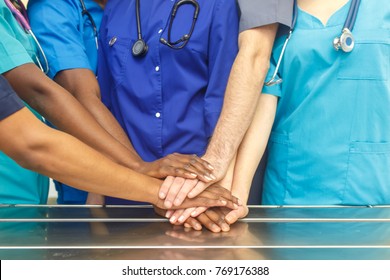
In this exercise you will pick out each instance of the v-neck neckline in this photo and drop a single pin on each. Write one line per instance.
(334, 19)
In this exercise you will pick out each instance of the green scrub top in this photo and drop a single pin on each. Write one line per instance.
(330, 143)
(17, 185)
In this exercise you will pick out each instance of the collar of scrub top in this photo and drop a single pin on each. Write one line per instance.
(22, 19)
(85, 12)
(345, 41)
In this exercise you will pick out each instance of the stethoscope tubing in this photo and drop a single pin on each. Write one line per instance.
(23, 21)
(348, 25)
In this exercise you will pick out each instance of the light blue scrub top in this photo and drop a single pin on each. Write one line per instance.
(66, 36)
(330, 143)
(17, 185)
(68, 40)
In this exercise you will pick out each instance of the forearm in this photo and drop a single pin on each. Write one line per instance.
(65, 112)
(83, 85)
(64, 158)
(253, 146)
(245, 83)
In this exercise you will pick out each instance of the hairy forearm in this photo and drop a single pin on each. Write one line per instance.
(64, 111)
(253, 146)
(242, 92)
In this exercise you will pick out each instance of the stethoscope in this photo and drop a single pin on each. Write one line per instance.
(140, 48)
(345, 41)
(84, 12)
(21, 17)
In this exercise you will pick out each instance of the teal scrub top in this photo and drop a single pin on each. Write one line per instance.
(17, 185)
(330, 143)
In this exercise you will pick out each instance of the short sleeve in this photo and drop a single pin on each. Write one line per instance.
(9, 101)
(255, 13)
(275, 89)
(55, 24)
(12, 52)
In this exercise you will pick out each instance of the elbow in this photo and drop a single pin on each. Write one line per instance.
(30, 158)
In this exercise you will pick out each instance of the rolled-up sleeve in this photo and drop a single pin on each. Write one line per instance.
(255, 13)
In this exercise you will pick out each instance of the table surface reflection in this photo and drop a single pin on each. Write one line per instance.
(136, 232)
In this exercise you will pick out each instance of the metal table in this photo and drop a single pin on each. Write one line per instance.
(135, 232)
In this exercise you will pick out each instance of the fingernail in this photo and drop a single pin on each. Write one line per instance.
(193, 214)
(210, 166)
(223, 202)
(225, 227)
(207, 177)
(161, 195)
(193, 175)
(239, 202)
(197, 226)
(172, 219)
(215, 228)
(181, 219)
(235, 206)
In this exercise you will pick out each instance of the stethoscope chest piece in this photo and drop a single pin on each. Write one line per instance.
(346, 41)
(140, 48)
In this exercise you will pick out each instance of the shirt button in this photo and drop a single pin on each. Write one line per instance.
(112, 41)
(157, 68)
(158, 115)
(160, 31)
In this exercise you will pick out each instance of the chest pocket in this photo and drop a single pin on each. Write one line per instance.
(117, 51)
(370, 58)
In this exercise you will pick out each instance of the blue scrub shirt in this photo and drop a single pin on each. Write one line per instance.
(65, 34)
(169, 100)
(17, 185)
(330, 143)
(68, 40)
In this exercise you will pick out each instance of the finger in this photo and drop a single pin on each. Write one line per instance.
(192, 223)
(200, 187)
(175, 216)
(185, 215)
(165, 187)
(218, 218)
(194, 159)
(198, 211)
(203, 202)
(193, 165)
(208, 223)
(173, 190)
(185, 189)
(218, 191)
(232, 217)
(231, 205)
(169, 213)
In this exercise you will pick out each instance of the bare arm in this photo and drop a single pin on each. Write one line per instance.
(253, 146)
(245, 82)
(249, 154)
(83, 85)
(242, 92)
(65, 112)
(61, 156)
